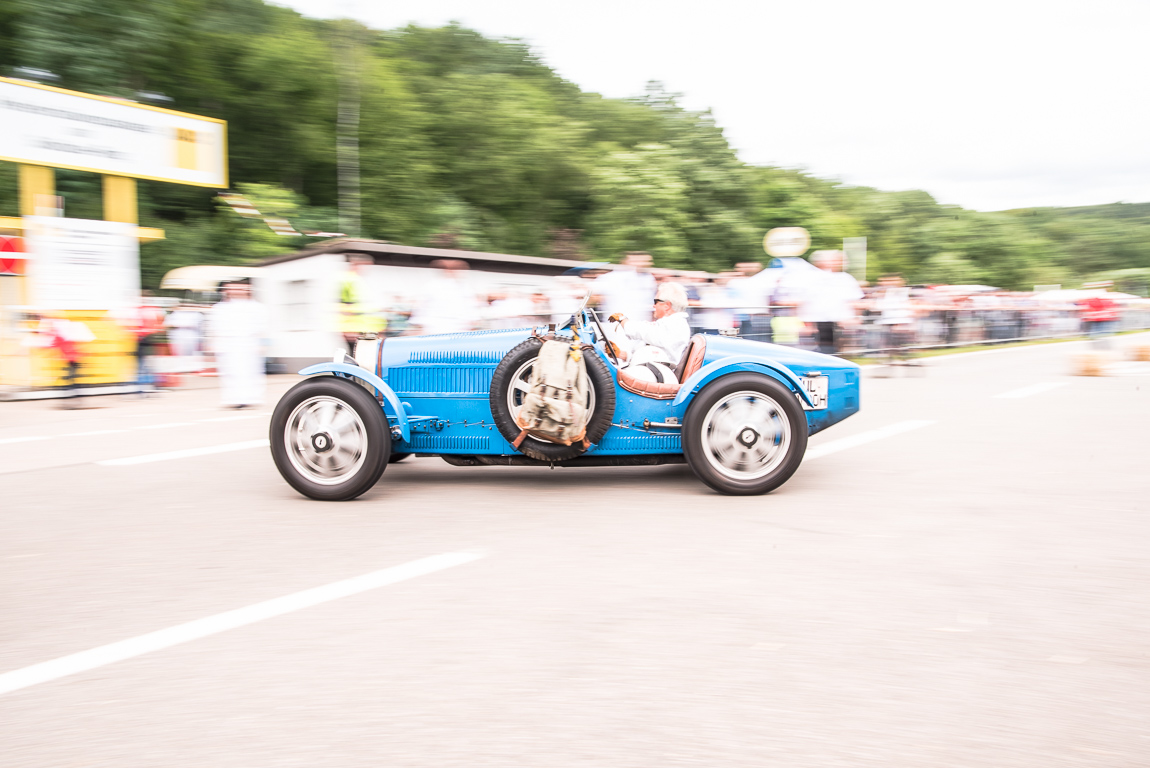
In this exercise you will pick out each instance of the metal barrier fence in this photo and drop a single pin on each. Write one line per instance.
(944, 329)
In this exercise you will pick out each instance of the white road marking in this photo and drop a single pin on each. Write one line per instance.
(255, 415)
(221, 622)
(8, 440)
(148, 458)
(1128, 368)
(834, 446)
(1033, 389)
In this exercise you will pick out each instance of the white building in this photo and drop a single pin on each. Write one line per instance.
(301, 290)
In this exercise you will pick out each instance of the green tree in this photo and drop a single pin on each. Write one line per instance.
(477, 142)
(640, 204)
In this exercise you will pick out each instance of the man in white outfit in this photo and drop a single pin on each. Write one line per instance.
(238, 326)
(627, 290)
(451, 304)
(828, 298)
(662, 340)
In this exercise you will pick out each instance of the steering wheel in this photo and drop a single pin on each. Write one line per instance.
(606, 341)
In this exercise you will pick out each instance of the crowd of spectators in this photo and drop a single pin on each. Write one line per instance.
(814, 304)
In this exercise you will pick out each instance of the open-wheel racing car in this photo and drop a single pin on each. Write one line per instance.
(740, 417)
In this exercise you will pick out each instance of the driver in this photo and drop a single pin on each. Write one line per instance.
(662, 340)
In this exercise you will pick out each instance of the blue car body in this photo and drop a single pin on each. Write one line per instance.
(435, 391)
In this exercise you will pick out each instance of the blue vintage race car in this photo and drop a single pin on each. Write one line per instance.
(740, 418)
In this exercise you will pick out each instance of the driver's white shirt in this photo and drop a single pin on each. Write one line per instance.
(667, 337)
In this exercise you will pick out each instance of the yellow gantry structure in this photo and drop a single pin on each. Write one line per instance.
(198, 157)
(110, 358)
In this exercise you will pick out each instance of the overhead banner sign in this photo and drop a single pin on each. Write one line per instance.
(42, 125)
(81, 264)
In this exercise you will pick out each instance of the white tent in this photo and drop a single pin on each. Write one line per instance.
(205, 277)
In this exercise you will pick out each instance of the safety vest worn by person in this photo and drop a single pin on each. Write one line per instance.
(355, 316)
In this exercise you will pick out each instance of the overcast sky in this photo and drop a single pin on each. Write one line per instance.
(988, 105)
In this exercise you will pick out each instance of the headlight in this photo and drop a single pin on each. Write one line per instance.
(367, 353)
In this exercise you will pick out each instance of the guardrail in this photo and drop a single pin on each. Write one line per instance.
(964, 327)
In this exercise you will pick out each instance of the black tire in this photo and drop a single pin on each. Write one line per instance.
(716, 444)
(398, 457)
(601, 384)
(301, 458)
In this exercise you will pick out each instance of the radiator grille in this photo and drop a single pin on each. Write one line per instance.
(455, 358)
(443, 380)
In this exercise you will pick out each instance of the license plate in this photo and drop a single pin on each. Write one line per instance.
(816, 387)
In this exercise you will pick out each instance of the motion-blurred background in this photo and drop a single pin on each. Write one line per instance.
(470, 140)
(550, 133)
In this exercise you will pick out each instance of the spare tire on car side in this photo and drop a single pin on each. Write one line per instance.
(509, 384)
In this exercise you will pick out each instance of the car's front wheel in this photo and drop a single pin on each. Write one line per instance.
(745, 434)
(330, 439)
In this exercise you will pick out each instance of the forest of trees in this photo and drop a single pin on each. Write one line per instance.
(475, 143)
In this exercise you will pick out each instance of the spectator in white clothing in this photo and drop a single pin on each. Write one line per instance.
(451, 305)
(897, 316)
(627, 290)
(828, 298)
(238, 326)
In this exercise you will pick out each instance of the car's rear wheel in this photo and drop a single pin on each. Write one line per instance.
(745, 434)
(330, 439)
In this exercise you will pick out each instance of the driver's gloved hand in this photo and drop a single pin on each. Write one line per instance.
(617, 317)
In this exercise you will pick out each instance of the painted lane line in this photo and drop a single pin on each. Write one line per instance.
(94, 432)
(255, 415)
(1033, 389)
(1128, 368)
(842, 444)
(8, 440)
(222, 622)
(148, 458)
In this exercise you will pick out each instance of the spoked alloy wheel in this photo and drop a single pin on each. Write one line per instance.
(326, 440)
(745, 434)
(330, 439)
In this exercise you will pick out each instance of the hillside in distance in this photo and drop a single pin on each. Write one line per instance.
(469, 142)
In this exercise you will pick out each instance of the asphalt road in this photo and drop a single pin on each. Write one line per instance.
(953, 578)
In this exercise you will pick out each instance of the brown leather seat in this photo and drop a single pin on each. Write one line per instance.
(691, 361)
(692, 358)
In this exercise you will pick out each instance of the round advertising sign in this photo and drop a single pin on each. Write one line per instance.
(787, 241)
